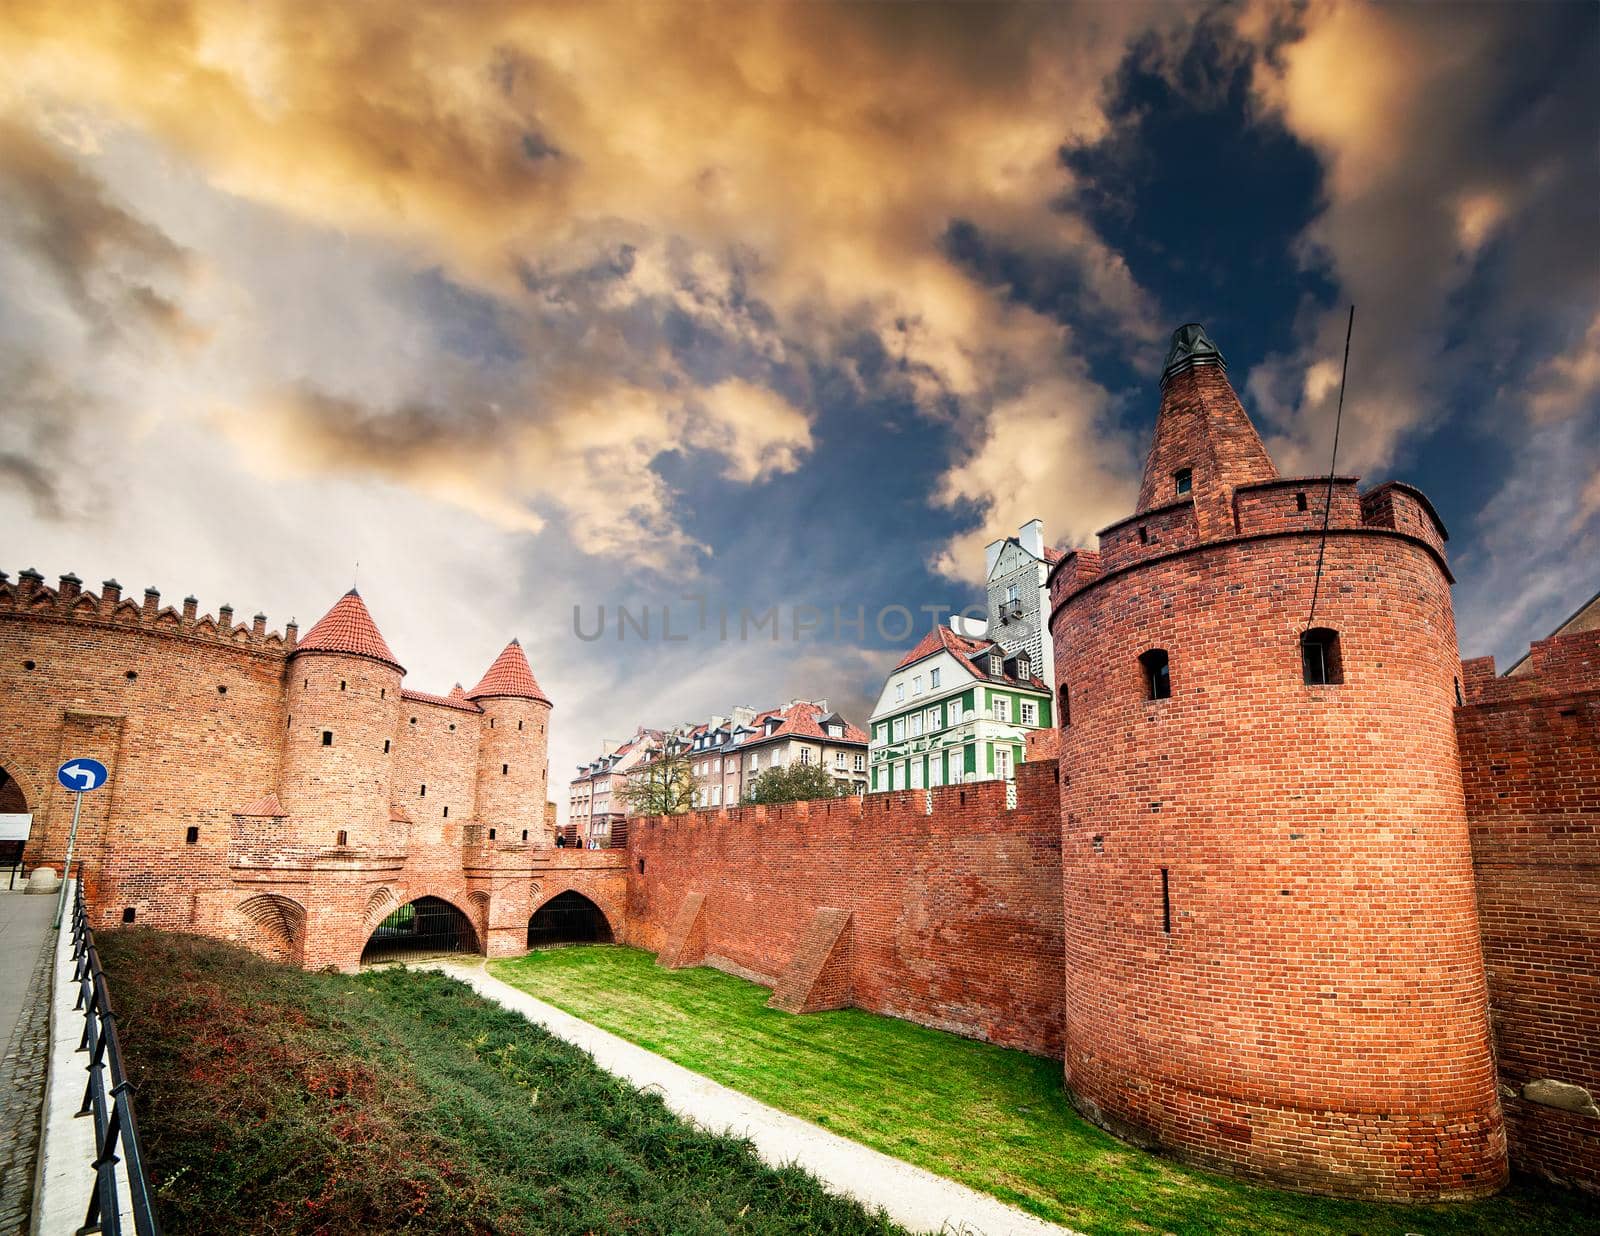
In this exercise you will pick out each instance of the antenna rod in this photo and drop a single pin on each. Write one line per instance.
(1327, 501)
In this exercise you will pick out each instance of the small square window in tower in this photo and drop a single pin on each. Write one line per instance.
(1157, 674)
(1319, 657)
(1183, 480)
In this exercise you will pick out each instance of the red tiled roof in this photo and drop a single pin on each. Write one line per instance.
(348, 628)
(453, 700)
(798, 721)
(509, 675)
(943, 638)
(265, 806)
(1053, 555)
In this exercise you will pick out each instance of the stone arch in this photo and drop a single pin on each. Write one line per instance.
(423, 925)
(274, 925)
(382, 901)
(569, 917)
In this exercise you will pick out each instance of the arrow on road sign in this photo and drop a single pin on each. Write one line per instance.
(82, 775)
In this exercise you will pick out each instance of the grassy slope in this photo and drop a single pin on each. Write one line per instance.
(271, 1100)
(992, 1118)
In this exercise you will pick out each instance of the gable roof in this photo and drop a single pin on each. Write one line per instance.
(510, 675)
(798, 721)
(348, 628)
(967, 652)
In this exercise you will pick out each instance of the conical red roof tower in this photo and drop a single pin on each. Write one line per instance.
(348, 628)
(509, 675)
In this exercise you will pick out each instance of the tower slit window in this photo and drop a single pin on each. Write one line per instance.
(1183, 480)
(1064, 696)
(1157, 674)
(1300, 503)
(1166, 902)
(1319, 657)
(327, 738)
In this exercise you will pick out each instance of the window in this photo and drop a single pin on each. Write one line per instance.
(916, 774)
(916, 684)
(341, 684)
(916, 725)
(1300, 501)
(127, 915)
(491, 834)
(935, 772)
(861, 763)
(894, 776)
(1030, 712)
(1024, 666)
(1002, 709)
(836, 731)
(933, 719)
(1002, 762)
(755, 761)
(899, 729)
(997, 664)
(327, 738)
(386, 746)
(505, 769)
(1064, 706)
(423, 792)
(191, 836)
(1183, 480)
(899, 691)
(1319, 657)
(805, 755)
(933, 679)
(716, 796)
(1157, 674)
(343, 837)
(1144, 535)
(1013, 594)
(838, 759)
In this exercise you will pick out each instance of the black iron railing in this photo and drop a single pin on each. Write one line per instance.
(108, 1097)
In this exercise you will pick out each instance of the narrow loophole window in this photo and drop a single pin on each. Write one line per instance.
(505, 769)
(1459, 700)
(341, 684)
(423, 792)
(343, 837)
(127, 915)
(641, 866)
(386, 746)
(1300, 501)
(1064, 705)
(327, 738)
(524, 834)
(1144, 535)
(131, 675)
(1157, 674)
(191, 835)
(1319, 657)
(1183, 480)
(1166, 902)
(221, 690)
(491, 831)
(447, 816)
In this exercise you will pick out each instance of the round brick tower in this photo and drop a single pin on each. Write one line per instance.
(1271, 939)
(343, 703)
(513, 765)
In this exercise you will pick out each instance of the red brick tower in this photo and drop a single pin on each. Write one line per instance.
(343, 705)
(1272, 960)
(513, 767)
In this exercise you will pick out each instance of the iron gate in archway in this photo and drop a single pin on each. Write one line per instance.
(426, 927)
(569, 918)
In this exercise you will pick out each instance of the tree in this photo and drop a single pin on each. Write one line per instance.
(796, 783)
(662, 785)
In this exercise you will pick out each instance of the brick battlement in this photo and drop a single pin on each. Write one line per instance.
(31, 597)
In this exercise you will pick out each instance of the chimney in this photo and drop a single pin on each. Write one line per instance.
(71, 586)
(1031, 537)
(258, 625)
(110, 593)
(191, 606)
(291, 632)
(152, 602)
(225, 619)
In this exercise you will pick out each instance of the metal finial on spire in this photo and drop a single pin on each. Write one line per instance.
(1191, 346)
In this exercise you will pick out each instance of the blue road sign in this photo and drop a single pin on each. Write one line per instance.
(82, 775)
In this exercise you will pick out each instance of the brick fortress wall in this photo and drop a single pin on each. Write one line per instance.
(1530, 762)
(953, 916)
(229, 812)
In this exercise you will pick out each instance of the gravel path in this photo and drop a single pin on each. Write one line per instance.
(913, 1197)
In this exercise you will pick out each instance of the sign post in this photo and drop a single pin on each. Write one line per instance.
(80, 776)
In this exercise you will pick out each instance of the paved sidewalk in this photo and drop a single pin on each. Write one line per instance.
(913, 1197)
(26, 949)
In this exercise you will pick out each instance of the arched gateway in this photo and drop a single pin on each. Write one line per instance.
(568, 918)
(426, 927)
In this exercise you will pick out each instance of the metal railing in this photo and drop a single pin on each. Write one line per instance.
(110, 1105)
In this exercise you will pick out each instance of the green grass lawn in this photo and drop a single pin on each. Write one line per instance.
(270, 1100)
(992, 1118)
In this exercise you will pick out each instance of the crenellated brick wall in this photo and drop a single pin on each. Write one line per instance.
(955, 914)
(1530, 765)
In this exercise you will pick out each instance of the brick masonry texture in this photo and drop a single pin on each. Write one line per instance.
(955, 915)
(298, 775)
(1530, 762)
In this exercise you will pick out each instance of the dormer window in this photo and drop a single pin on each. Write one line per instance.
(1022, 665)
(997, 665)
(1183, 480)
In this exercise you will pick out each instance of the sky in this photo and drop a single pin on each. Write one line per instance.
(517, 314)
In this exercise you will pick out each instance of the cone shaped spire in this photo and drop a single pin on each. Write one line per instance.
(509, 675)
(1205, 446)
(348, 628)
